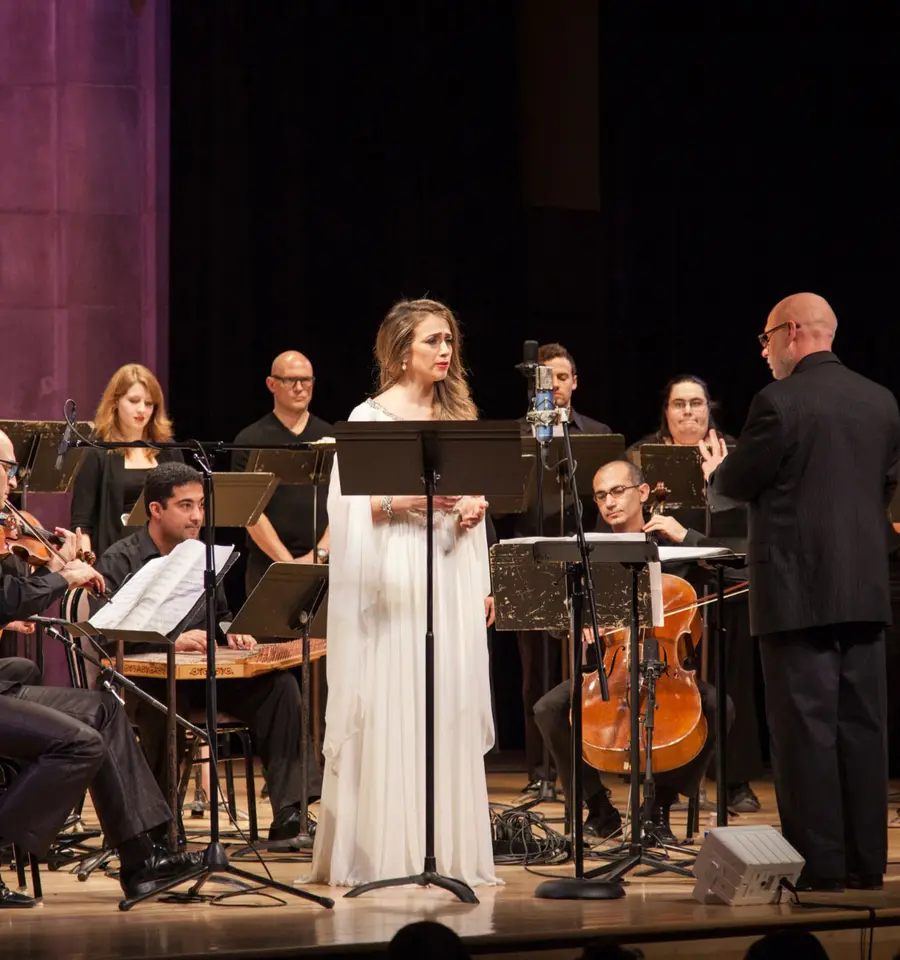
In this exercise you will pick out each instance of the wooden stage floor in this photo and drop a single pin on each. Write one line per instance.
(81, 920)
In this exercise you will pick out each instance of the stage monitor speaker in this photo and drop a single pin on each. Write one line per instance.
(744, 865)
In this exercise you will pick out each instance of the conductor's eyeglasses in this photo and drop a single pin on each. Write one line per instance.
(291, 382)
(615, 492)
(765, 337)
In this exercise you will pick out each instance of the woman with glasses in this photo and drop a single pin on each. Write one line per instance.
(109, 483)
(686, 419)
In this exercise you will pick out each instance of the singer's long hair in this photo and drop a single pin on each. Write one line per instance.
(106, 420)
(452, 398)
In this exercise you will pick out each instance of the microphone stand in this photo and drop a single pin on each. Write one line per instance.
(546, 792)
(215, 859)
(581, 587)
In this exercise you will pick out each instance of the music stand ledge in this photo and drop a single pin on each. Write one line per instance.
(240, 499)
(379, 458)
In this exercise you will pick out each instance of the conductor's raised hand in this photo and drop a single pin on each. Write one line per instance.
(713, 450)
(191, 641)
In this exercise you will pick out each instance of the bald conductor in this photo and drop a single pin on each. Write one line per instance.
(817, 464)
(284, 532)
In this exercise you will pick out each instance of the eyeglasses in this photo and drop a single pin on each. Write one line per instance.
(12, 468)
(765, 337)
(291, 382)
(697, 403)
(616, 492)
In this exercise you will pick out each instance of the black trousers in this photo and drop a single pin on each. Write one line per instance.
(270, 706)
(65, 742)
(826, 705)
(531, 653)
(552, 716)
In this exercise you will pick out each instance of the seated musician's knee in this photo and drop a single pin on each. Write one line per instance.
(552, 705)
(20, 670)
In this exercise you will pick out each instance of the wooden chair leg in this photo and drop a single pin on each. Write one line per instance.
(35, 876)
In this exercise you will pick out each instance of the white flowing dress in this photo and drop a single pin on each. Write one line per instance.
(372, 813)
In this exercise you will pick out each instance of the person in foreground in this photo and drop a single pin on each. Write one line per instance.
(620, 493)
(372, 813)
(66, 741)
(817, 463)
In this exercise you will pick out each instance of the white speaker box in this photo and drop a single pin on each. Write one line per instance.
(744, 865)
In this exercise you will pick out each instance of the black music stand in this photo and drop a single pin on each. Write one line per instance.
(36, 443)
(310, 467)
(678, 470)
(635, 555)
(240, 499)
(290, 600)
(379, 458)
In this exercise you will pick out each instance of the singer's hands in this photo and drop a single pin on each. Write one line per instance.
(471, 511)
(420, 504)
(191, 641)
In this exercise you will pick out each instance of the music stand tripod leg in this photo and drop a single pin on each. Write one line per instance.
(429, 875)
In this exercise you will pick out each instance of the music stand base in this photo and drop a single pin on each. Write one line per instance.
(637, 856)
(579, 888)
(215, 863)
(462, 891)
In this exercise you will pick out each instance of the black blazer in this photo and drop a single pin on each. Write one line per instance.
(817, 464)
(98, 497)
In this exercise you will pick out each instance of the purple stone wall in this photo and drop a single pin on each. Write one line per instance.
(84, 143)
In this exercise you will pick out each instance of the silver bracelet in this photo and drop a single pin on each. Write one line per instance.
(387, 508)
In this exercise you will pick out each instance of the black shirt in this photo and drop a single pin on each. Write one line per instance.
(133, 487)
(22, 597)
(291, 508)
(127, 556)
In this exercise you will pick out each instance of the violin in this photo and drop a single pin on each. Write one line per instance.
(22, 536)
(679, 725)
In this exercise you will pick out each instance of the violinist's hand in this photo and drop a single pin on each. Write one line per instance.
(489, 610)
(240, 641)
(471, 511)
(71, 543)
(191, 641)
(78, 574)
(19, 626)
(713, 451)
(668, 526)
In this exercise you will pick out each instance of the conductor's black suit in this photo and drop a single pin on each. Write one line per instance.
(817, 464)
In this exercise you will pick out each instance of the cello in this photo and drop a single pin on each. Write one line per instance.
(679, 727)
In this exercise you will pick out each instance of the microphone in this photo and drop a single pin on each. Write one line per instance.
(529, 358)
(543, 402)
(64, 445)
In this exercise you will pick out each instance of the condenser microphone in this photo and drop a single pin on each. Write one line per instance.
(64, 445)
(543, 403)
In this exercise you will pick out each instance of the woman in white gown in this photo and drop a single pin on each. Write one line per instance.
(372, 812)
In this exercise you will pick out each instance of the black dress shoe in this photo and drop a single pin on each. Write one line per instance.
(742, 799)
(659, 829)
(286, 825)
(156, 871)
(533, 786)
(813, 884)
(602, 826)
(865, 881)
(14, 901)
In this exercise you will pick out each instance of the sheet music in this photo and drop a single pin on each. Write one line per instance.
(668, 554)
(162, 593)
